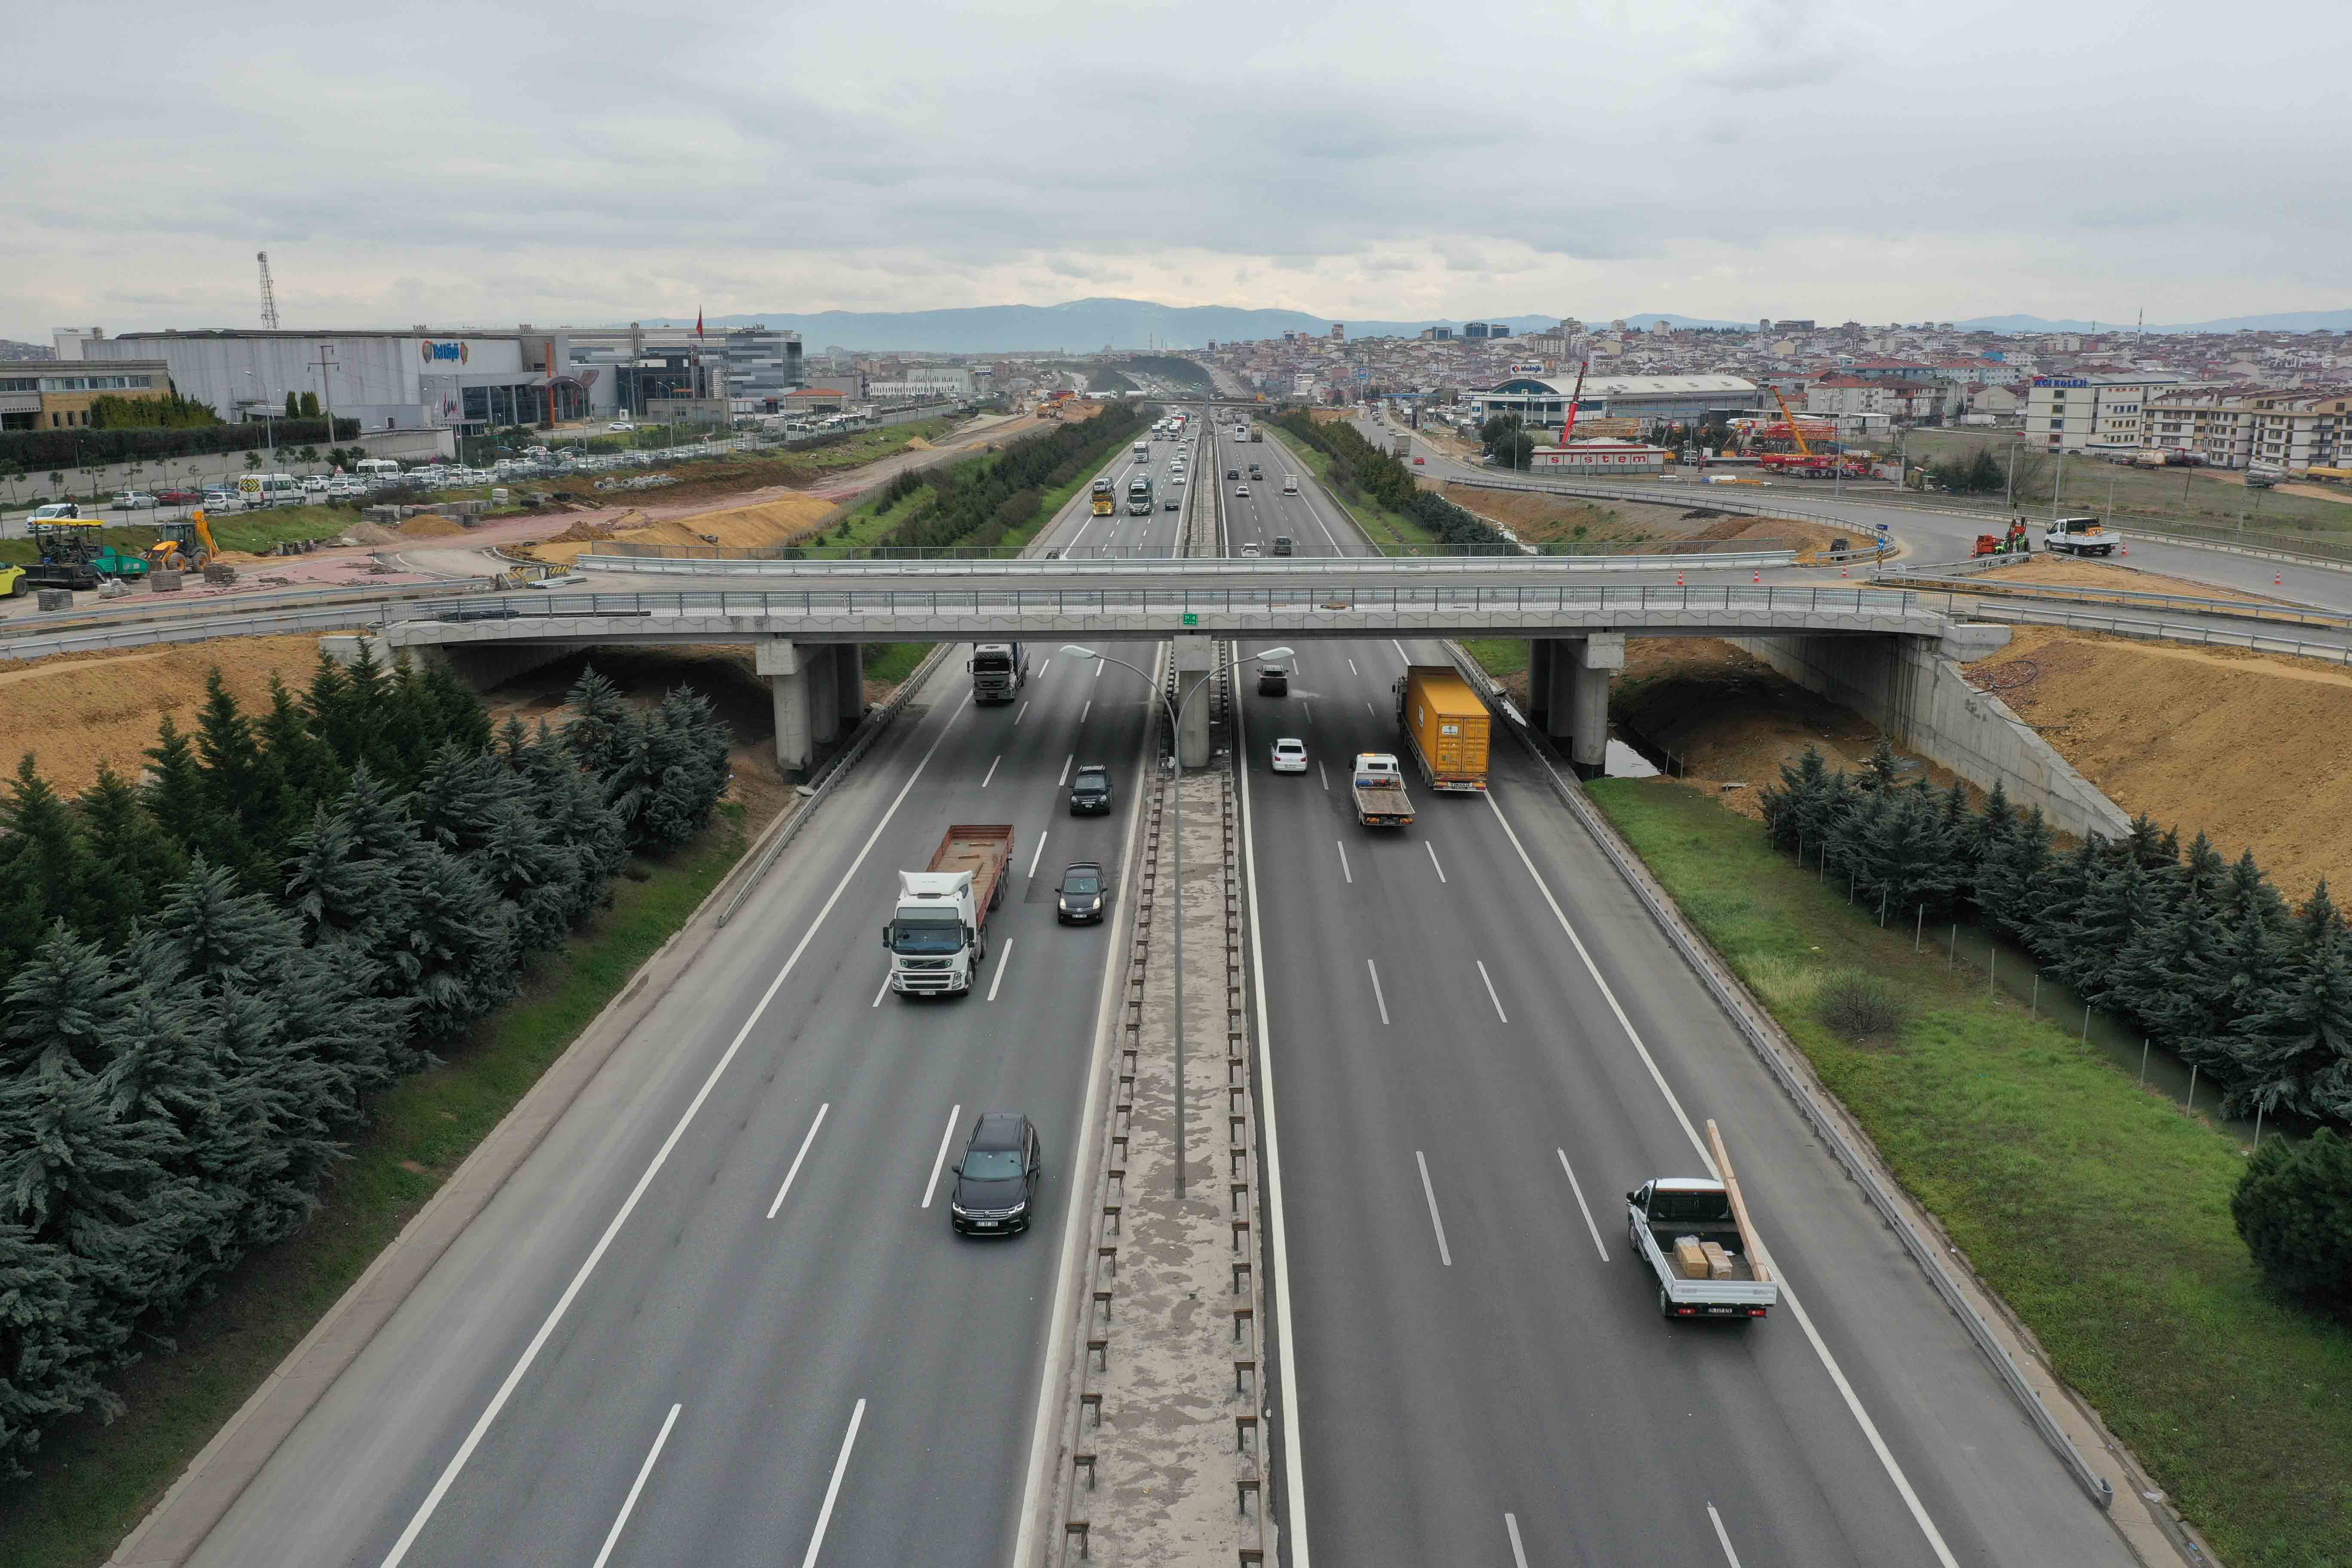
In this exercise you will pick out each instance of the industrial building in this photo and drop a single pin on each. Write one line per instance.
(463, 379)
(1543, 401)
(2094, 413)
(35, 395)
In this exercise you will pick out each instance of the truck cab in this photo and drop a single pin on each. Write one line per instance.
(999, 670)
(933, 935)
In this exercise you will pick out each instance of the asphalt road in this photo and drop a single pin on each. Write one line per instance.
(628, 1359)
(1931, 538)
(1481, 1376)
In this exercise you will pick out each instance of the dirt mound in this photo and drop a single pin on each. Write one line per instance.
(2048, 570)
(430, 525)
(1556, 519)
(369, 534)
(2255, 750)
(767, 523)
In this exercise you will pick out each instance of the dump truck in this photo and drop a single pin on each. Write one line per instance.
(1445, 728)
(937, 936)
(1105, 497)
(998, 669)
(1381, 800)
(1696, 1235)
(2078, 536)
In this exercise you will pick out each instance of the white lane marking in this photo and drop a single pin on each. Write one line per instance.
(1043, 668)
(1065, 770)
(1378, 994)
(942, 1159)
(1722, 1536)
(1788, 1292)
(1425, 844)
(1325, 776)
(1090, 705)
(448, 1477)
(1399, 648)
(1344, 871)
(1353, 670)
(1003, 962)
(1578, 1188)
(1099, 666)
(629, 1503)
(1435, 1224)
(1369, 708)
(1022, 714)
(833, 1487)
(1489, 979)
(882, 990)
(991, 770)
(798, 1158)
(1309, 708)
(1519, 1552)
(1039, 852)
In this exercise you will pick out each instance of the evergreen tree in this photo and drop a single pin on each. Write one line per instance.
(2251, 970)
(176, 793)
(47, 1363)
(2118, 901)
(2296, 1053)
(313, 775)
(45, 866)
(2174, 972)
(2047, 920)
(1784, 805)
(131, 860)
(246, 796)
(1879, 772)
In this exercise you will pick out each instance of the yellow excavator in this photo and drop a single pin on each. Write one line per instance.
(184, 546)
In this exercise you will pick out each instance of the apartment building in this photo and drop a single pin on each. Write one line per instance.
(2263, 428)
(2093, 413)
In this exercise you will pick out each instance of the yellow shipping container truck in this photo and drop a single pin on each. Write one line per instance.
(1446, 727)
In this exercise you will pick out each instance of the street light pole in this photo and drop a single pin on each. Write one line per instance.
(1176, 747)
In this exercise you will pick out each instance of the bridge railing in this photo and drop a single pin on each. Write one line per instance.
(1581, 548)
(1164, 564)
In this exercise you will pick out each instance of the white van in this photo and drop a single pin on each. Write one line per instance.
(257, 490)
(366, 466)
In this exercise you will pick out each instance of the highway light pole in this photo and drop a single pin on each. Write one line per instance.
(1175, 711)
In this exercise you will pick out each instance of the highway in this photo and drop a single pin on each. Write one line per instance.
(718, 1317)
(1473, 1037)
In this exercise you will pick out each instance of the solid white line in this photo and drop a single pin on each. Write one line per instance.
(833, 1487)
(1342, 849)
(798, 1158)
(1309, 708)
(613, 1536)
(1100, 665)
(1065, 770)
(1022, 714)
(1277, 1225)
(992, 771)
(1489, 979)
(1040, 851)
(945, 1138)
(1577, 1187)
(1425, 844)
(1378, 997)
(1353, 670)
(1003, 961)
(1435, 1224)
(1788, 1292)
(1325, 776)
(1723, 1536)
(1399, 648)
(448, 1477)
(1088, 708)
(1370, 709)
(1519, 1552)
(884, 989)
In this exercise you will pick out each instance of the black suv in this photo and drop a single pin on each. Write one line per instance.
(996, 1180)
(1090, 791)
(1273, 680)
(1282, 544)
(1232, 473)
(1083, 897)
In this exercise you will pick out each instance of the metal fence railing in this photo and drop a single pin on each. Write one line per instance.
(1161, 561)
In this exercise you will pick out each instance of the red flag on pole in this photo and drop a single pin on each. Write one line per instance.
(697, 321)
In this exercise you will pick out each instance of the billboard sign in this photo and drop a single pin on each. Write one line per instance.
(454, 353)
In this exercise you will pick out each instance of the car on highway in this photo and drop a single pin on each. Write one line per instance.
(620, 424)
(996, 1180)
(1084, 895)
(1249, 550)
(1232, 473)
(1289, 756)
(1274, 680)
(1170, 504)
(1282, 544)
(1241, 491)
(1420, 462)
(1177, 478)
(132, 500)
(1090, 791)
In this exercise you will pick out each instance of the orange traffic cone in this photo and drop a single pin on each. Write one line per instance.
(2127, 552)
(2278, 579)
(1679, 579)
(1756, 577)
(1841, 572)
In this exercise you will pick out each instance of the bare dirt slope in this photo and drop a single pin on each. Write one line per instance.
(2255, 750)
(1552, 519)
(2049, 572)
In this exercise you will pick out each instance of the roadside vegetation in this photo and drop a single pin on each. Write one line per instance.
(1360, 472)
(1984, 461)
(2098, 1209)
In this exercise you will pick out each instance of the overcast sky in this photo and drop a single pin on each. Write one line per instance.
(490, 164)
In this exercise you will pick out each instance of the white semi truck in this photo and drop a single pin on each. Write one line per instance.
(937, 936)
(999, 670)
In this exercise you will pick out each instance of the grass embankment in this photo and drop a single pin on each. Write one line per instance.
(2098, 1210)
(1386, 529)
(2211, 497)
(891, 662)
(92, 1482)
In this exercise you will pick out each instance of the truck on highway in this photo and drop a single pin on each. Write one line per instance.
(1290, 484)
(1446, 727)
(1256, 433)
(1105, 497)
(2078, 536)
(1139, 495)
(999, 670)
(1696, 1236)
(1381, 800)
(937, 936)
(1143, 451)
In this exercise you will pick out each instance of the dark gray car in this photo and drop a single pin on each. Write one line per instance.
(996, 1181)
(1084, 896)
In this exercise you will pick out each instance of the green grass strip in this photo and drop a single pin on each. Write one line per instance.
(2098, 1209)
(1386, 529)
(92, 1482)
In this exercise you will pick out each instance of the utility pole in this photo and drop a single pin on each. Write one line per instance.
(2008, 491)
(324, 365)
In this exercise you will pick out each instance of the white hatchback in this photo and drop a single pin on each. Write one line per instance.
(1289, 756)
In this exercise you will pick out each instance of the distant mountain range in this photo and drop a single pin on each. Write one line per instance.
(1085, 326)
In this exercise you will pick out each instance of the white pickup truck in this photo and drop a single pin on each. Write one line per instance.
(1381, 800)
(1697, 1237)
(2078, 536)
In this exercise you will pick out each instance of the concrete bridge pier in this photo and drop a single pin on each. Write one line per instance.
(849, 683)
(788, 668)
(1567, 694)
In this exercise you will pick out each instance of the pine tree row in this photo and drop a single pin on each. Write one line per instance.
(2198, 953)
(205, 975)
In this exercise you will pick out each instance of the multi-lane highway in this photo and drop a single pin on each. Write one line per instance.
(717, 1314)
(1474, 1039)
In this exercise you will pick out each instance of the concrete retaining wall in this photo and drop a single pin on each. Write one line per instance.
(1912, 688)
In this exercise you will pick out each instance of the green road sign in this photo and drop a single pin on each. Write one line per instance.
(1190, 619)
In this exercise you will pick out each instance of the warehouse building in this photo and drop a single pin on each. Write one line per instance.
(1541, 401)
(38, 396)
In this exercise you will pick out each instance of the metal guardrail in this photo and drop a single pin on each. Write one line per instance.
(1490, 564)
(201, 628)
(2173, 631)
(1690, 498)
(1763, 1033)
(2240, 609)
